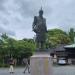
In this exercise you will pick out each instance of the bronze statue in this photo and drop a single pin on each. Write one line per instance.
(39, 27)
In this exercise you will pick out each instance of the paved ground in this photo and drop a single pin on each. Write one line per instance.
(64, 70)
(17, 71)
(59, 70)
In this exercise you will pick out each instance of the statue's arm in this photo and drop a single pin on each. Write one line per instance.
(34, 24)
(35, 20)
(45, 25)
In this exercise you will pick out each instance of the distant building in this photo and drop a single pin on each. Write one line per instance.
(70, 49)
(64, 51)
(59, 51)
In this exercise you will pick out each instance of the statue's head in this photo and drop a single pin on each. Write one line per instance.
(41, 12)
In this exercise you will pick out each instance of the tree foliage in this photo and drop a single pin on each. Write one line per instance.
(72, 34)
(57, 36)
(26, 47)
(15, 48)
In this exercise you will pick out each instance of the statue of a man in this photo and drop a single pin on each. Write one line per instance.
(39, 27)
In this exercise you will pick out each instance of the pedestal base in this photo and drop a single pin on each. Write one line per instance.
(41, 64)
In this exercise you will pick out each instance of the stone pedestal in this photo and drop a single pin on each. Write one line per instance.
(41, 64)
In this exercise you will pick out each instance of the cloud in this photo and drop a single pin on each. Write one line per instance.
(1, 5)
(9, 32)
(16, 16)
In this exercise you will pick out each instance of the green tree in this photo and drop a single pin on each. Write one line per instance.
(72, 34)
(57, 36)
(26, 47)
(3, 46)
(16, 48)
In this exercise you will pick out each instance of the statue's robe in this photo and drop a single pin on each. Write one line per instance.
(39, 27)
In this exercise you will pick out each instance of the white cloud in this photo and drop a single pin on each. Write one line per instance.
(16, 16)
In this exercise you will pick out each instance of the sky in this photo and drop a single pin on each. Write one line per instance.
(16, 16)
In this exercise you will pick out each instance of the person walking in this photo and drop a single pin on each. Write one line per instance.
(11, 62)
(26, 62)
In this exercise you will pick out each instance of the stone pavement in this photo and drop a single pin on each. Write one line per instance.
(64, 70)
(58, 70)
(17, 71)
